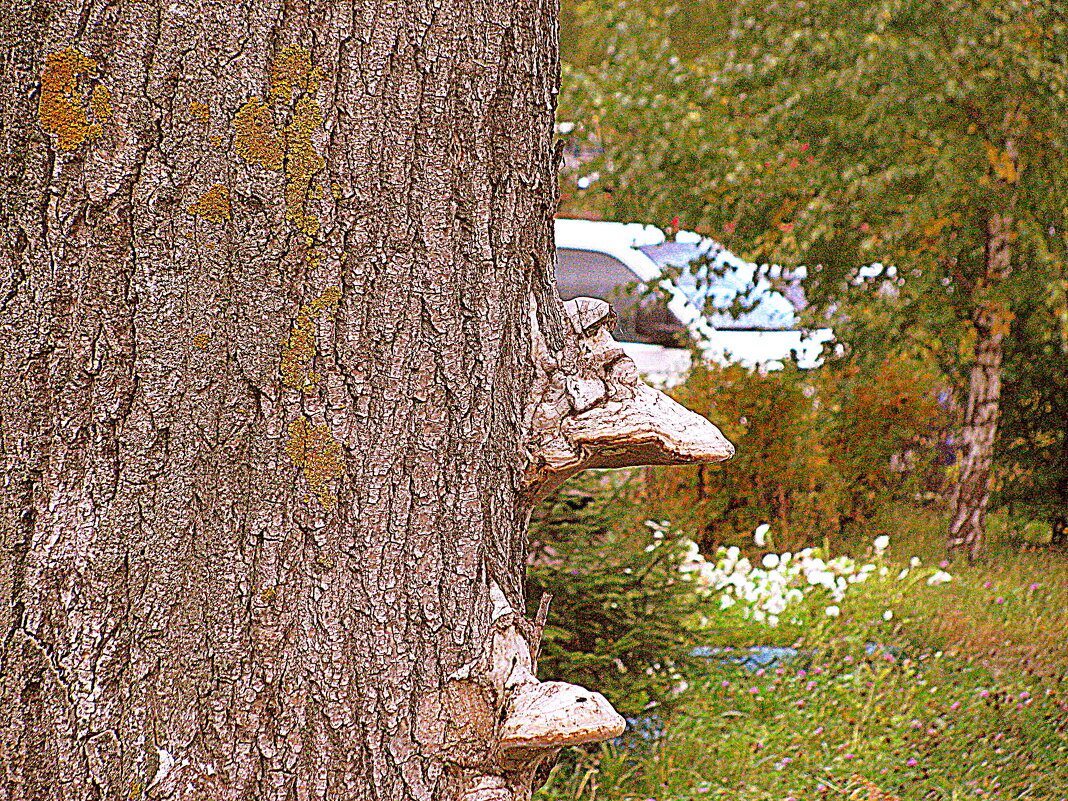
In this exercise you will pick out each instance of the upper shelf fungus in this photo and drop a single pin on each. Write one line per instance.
(590, 409)
(68, 109)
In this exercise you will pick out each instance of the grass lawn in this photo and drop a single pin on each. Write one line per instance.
(914, 691)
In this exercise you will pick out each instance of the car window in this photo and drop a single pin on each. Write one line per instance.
(598, 275)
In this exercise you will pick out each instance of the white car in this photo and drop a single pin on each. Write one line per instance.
(752, 323)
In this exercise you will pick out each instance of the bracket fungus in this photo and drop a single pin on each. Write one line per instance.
(589, 408)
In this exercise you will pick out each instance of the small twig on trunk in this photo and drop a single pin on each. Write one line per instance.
(539, 627)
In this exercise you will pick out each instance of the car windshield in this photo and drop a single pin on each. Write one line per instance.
(732, 293)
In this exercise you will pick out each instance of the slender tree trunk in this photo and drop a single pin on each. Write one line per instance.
(971, 493)
(265, 343)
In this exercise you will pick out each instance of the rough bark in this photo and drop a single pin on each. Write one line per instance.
(971, 492)
(267, 275)
(270, 273)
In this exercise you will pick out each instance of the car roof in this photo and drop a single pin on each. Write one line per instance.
(709, 272)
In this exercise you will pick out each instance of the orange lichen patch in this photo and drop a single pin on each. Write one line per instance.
(302, 163)
(255, 137)
(299, 350)
(291, 70)
(312, 447)
(214, 205)
(100, 103)
(62, 107)
(201, 341)
(200, 111)
(216, 140)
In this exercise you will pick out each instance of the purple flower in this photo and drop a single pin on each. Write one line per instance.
(1024, 695)
(724, 683)
(754, 690)
(954, 706)
(984, 693)
(818, 731)
(987, 585)
(1034, 586)
(999, 600)
(912, 762)
(943, 563)
(849, 756)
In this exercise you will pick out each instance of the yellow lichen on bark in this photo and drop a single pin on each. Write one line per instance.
(290, 150)
(214, 205)
(63, 109)
(300, 348)
(312, 447)
(302, 163)
(200, 111)
(255, 137)
(100, 103)
(292, 69)
(201, 341)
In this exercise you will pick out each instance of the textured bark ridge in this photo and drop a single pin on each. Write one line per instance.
(589, 408)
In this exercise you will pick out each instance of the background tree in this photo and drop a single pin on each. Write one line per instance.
(926, 137)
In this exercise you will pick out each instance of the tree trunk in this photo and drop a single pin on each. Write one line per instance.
(284, 369)
(971, 492)
(266, 290)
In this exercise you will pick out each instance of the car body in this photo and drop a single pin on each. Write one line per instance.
(726, 305)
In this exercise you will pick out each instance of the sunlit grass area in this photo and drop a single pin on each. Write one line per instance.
(901, 684)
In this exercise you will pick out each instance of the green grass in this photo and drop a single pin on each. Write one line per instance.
(963, 699)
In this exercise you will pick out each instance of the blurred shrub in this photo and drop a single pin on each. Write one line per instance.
(619, 618)
(818, 453)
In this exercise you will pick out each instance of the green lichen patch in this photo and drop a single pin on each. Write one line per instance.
(313, 448)
(214, 205)
(68, 109)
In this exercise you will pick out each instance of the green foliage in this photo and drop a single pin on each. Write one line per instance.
(617, 620)
(958, 695)
(1033, 447)
(885, 145)
(838, 134)
(817, 452)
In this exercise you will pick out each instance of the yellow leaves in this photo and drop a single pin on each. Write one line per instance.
(1003, 163)
(64, 109)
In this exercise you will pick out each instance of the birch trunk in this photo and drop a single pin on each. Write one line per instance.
(266, 280)
(971, 493)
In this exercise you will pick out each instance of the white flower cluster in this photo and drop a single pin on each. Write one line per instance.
(781, 581)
